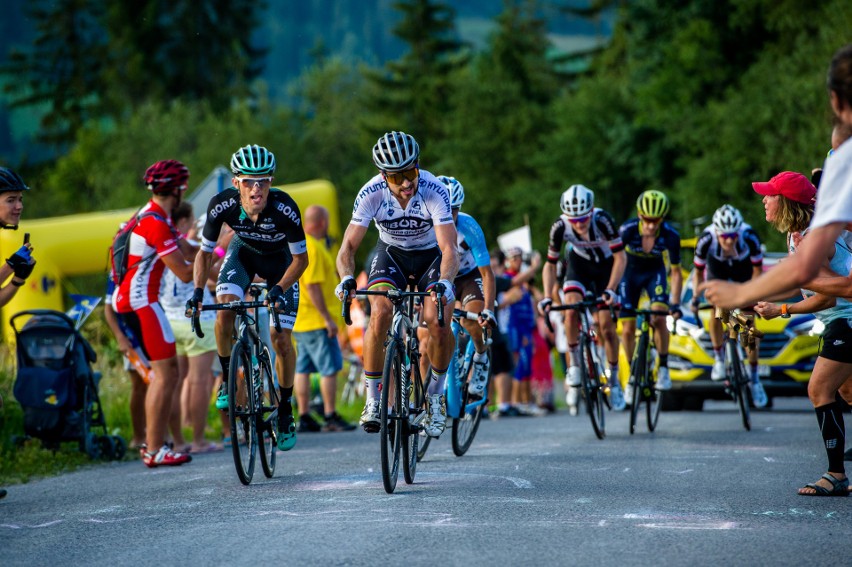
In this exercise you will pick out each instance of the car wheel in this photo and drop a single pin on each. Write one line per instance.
(672, 401)
(693, 403)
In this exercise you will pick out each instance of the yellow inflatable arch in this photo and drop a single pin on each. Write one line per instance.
(78, 245)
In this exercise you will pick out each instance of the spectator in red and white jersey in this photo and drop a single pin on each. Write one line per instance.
(153, 246)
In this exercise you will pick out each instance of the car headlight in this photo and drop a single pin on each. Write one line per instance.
(685, 327)
(811, 327)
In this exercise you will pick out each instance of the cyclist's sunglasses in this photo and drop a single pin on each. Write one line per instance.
(580, 220)
(399, 177)
(729, 235)
(255, 181)
(651, 220)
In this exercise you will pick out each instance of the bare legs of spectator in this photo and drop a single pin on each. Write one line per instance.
(138, 390)
(176, 418)
(158, 401)
(199, 379)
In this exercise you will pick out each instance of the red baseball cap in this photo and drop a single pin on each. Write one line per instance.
(790, 184)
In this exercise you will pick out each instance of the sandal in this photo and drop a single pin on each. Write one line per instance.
(838, 487)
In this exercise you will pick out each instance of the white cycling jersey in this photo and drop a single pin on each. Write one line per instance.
(411, 228)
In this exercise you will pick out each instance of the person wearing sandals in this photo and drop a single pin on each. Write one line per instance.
(832, 215)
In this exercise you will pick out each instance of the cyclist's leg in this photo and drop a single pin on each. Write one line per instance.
(629, 290)
(285, 362)
(658, 295)
(441, 339)
(231, 285)
(572, 291)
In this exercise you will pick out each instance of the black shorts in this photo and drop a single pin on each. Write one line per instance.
(580, 275)
(469, 287)
(420, 269)
(733, 272)
(501, 357)
(835, 341)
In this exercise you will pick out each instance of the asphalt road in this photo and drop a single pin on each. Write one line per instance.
(531, 491)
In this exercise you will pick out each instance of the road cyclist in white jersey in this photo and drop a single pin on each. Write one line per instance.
(269, 242)
(594, 260)
(476, 288)
(416, 248)
(730, 250)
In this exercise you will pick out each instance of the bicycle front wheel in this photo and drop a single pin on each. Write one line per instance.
(639, 375)
(268, 416)
(241, 412)
(415, 396)
(739, 382)
(390, 431)
(591, 387)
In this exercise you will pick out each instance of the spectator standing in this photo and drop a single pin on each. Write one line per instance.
(316, 328)
(20, 264)
(153, 246)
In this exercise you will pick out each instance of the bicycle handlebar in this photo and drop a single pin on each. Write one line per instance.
(395, 295)
(589, 301)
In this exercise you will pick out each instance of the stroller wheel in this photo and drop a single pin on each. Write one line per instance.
(119, 446)
(91, 445)
(107, 447)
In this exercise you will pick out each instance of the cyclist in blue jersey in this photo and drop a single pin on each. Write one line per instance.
(729, 250)
(594, 261)
(476, 288)
(650, 243)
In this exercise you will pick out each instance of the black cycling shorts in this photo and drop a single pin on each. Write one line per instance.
(581, 275)
(400, 268)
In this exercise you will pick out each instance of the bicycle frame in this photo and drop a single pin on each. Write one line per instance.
(457, 372)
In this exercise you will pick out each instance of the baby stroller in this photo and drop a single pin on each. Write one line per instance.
(56, 386)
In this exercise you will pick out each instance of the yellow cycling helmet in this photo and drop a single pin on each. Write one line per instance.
(653, 204)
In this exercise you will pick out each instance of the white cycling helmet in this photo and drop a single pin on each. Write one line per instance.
(396, 151)
(577, 201)
(456, 190)
(727, 219)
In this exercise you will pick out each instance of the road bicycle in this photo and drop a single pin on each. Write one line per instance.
(354, 387)
(642, 376)
(739, 334)
(403, 396)
(253, 396)
(464, 409)
(594, 386)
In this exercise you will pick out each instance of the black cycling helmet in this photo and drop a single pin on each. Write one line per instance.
(11, 181)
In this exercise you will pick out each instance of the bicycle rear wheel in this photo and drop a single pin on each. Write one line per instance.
(268, 416)
(639, 376)
(465, 428)
(591, 390)
(739, 382)
(241, 413)
(390, 431)
(415, 396)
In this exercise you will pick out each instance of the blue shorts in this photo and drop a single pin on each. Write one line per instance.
(317, 352)
(655, 284)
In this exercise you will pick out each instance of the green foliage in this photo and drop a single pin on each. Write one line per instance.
(91, 61)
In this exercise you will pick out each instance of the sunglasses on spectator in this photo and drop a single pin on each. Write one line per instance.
(651, 220)
(729, 235)
(399, 177)
(255, 181)
(580, 220)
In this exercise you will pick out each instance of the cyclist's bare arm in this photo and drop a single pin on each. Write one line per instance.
(448, 243)
(548, 281)
(619, 263)
(294, 270)
(489, 286)
(178, 265)
(352, 239)
(677, 284)
(201, 268)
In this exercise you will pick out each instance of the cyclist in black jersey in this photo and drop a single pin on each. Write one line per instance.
(594, 261)
(269, 242)
(729, 250)
(651, 243)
